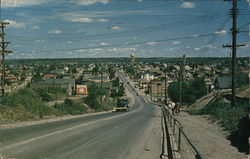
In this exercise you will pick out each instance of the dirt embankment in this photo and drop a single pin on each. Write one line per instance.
(209, 139)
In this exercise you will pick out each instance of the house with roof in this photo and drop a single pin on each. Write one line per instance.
(97, 79)
(147, 76)
(223, 82)
(67, 84)
(49, 75)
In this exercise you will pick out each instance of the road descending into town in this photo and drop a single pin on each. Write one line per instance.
(113, 135)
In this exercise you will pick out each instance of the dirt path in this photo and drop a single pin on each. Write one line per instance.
(209, 139)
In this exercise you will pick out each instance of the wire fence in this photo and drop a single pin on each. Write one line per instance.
(183, 144)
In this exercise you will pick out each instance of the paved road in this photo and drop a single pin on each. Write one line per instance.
(124, 135)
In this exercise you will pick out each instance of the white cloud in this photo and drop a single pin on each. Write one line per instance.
(195, 35)
(102, 20)
(176, 42)
(220, 32)
(81, 50)
(151, 43)
(80, 20)
(188, 5)
(197, 49)
(35, 27)
(139, 0)
(97, 49)
(89, 2)
(39, 41)
(15, 24)
(104, 44)
(21, 3)
(115, 28)
(209, 46)
(55, 31)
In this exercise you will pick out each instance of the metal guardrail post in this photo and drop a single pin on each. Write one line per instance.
(177, 126)
(174, 127)
(179, 139)
(168, 115)
(169, 146)
(171, 122)
(197, 156)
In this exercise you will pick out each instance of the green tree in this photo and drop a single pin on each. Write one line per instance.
(116, 82)
(198, 87)
(170, 68)
(111, 72)
(94, 94)
(37, 77)
(130, 70)
(191, 90)
(241, 79)
(96, 69)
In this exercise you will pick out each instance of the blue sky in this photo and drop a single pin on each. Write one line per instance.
(117, 28)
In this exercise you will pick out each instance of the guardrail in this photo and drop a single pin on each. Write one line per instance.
(183, 144)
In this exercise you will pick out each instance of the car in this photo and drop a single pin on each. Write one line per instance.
(122, 105)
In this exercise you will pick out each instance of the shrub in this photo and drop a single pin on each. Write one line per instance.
(227, 116)
(72, 108)
(23, 105)
(51, 94)
(68, 102)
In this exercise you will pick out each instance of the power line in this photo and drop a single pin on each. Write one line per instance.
(149, 29)
(243, 26)
(234, 46)
(128, 44)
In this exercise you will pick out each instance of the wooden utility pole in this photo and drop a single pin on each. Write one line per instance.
(101, 86)
(234, 50)
(165, 86)
(3, 51)
(181, 76)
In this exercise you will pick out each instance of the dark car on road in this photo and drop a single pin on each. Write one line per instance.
(122, 105)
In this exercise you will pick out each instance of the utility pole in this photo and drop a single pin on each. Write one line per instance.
(101, 86)
(158, 85)
(234, 50)
(3, 51)
(165, 86)
(181, 76)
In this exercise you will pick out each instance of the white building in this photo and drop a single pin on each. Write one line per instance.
(147, 76)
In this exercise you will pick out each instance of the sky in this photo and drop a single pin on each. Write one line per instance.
(117, 28)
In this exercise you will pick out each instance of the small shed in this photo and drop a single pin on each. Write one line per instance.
(223, 82)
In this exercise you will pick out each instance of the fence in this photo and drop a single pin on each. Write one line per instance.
(183, 144)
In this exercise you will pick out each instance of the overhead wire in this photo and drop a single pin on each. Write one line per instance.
(128, 44)
(150, 29)
(144, 31)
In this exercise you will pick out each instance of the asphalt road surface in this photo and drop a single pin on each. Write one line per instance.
(113, 135)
